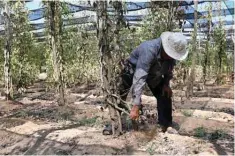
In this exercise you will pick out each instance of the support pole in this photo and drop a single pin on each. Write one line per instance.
(7, 53)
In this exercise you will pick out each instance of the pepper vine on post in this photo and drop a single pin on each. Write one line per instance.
(55, 42)
(7, 53)
(108, 62)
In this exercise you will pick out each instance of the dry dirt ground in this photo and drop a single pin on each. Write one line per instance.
(34, 124)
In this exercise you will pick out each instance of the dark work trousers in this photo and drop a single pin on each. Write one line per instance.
(164, 103)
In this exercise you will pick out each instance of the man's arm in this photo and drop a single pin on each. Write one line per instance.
(142, 68)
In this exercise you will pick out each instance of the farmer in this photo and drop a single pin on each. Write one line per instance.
(152, 62)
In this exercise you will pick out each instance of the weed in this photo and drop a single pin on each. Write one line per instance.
(151, 149)
(46, 113)
(187, 113)
(200, 132)
(64, 113)
(21, 113)
(88, 121)
(218, 134)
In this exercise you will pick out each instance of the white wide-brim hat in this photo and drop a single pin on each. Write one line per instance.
(174, 44)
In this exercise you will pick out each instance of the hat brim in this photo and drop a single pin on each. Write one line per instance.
(181, 55)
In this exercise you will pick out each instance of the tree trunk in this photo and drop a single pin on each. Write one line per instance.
(220, 58)
(221, 48)
(189, 92)
(118, 21)
(207, 61)
(171, 11)
(7, 53)
(107, 63)
(56, 22)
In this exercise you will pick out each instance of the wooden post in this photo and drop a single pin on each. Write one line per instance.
(55, 20)
(7, 53)
(171, 11)
(191, 78)
(107, 65)
(221, 48)
(206, 62)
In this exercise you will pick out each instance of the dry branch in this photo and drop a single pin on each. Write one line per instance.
(119, 98)
(82, 99)
(129, 107)
(116, 107)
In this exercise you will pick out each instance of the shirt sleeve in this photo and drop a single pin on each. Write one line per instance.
(142, 68)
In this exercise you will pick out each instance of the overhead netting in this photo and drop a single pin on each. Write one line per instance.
(84, 14)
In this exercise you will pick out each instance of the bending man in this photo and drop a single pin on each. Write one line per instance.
(152, 62)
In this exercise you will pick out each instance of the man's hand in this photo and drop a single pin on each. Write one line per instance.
(134, 114)
(167, 90)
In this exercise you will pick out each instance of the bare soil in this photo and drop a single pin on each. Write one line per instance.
(35, 124)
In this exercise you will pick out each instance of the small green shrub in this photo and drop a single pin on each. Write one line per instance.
(88, 121)
(151, 149)
(218, 134)
(200, 132)
(187, 113)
